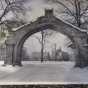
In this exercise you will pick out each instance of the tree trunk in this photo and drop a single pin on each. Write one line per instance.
(55, 53)
(77, 11)
(42, 46)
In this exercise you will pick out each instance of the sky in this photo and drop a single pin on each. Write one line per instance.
(34, 9)
(37, 8)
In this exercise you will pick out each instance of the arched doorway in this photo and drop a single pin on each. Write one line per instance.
(49, 21)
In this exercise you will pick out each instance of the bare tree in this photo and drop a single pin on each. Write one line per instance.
(45, 34)
(7, 6)
(74, 8)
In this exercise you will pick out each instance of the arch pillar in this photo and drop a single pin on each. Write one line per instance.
(10, 59)
(9, 54)
(82, 56)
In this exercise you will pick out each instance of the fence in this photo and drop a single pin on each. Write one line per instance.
(2, 52)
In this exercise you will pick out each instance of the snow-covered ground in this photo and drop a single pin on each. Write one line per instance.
(46, 72)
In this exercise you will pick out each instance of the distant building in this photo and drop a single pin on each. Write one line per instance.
(35, 56)
(60, 55)
(57, 55)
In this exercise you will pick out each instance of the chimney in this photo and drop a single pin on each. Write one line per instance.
(48, 12)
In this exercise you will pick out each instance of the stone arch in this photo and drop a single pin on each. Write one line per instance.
(14, 43)
(21, 42)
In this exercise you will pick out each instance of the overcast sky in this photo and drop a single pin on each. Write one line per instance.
(35, 9)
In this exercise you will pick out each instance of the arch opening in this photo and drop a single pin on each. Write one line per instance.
(58, 43)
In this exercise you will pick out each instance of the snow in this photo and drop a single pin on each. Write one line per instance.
(46, 72)
(8, 68)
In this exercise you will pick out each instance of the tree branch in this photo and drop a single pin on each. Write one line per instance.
(8, 7)
(84, 11)
(63, 6)
(70, 1)
(38, 38)
(4, 13)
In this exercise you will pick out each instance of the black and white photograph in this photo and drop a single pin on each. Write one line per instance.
(43, 42)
